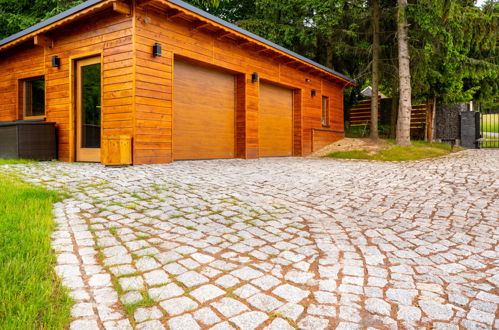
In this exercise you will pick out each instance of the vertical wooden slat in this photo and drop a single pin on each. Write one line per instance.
(241, 116)
(298, 122)
(252, 117)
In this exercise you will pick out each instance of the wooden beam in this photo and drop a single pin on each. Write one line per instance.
(244, 42)
(172, 14)
(280, 57)
(302, 67)
(223, 34)
(288, 61)
(307, 70)
(43, 41)
(277, 57)
(262, 49)
(144, 3)
(199, 26)
(122, 8)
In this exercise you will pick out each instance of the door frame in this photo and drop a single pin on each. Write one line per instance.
(74, 99)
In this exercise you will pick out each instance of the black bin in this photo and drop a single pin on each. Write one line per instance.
(28, 140)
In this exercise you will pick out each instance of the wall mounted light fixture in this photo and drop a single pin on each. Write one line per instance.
(314, 92)
(156, 50)
(254, 77)
(56, 62)
(307, 80)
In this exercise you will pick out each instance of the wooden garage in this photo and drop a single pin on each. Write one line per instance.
(275, 124)
(172, 81)
(203, 112)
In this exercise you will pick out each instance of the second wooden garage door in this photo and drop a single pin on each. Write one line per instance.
(203, 113)
(276, 121)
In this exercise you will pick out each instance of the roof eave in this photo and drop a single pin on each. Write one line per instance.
(49, 23)
(87, 5)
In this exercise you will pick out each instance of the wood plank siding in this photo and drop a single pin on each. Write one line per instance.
(138, 97)
(106, 34)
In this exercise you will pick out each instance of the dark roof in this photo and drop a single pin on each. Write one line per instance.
(184, 5)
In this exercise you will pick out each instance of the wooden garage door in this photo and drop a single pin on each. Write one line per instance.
(203, 113)
(276, 121)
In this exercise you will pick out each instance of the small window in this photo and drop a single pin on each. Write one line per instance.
(34, 97)
(325, 111)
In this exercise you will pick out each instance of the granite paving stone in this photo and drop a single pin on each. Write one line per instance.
(278, 243)
(180, 305)
(249, 320)
(229, 307)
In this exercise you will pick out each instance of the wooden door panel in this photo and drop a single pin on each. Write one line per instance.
(204, 113)
(276, 121)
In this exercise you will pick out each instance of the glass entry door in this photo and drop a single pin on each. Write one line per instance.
(88, 109)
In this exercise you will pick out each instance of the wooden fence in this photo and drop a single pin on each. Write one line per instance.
(360, 116)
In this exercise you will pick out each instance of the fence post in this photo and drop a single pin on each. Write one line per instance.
(469, 133)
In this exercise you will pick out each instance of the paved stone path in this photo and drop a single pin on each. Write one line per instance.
(279, 243)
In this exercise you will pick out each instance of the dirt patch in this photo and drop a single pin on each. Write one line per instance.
(349, 144)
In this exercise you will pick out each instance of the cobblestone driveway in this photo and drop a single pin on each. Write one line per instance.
(280, 243)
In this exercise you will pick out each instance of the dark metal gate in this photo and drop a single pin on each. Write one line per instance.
(489, 129)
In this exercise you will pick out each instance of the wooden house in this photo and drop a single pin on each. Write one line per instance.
(179, 82)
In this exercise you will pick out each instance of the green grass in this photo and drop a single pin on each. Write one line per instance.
(490, 144)
(146, 302)
(490, 123)
(31, 295)
(418, 150)
(15, 161)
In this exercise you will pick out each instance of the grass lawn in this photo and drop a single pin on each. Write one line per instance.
(490, 123)
(32, 296)
(14, 161)
(418, 150)
(490, 144)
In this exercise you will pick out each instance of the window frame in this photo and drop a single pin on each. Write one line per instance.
(24, 99)
(325, 111)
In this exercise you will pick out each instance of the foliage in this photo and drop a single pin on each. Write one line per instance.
(454, 51)
(32, 295)
(418, 150)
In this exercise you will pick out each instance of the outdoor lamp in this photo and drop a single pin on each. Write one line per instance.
(156, 50)
(254, 77)
(56, 62)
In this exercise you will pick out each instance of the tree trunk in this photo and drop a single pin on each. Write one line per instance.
(375, 70)
(433, 118)
(394, 109)
(405, 105)
(329, 52)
